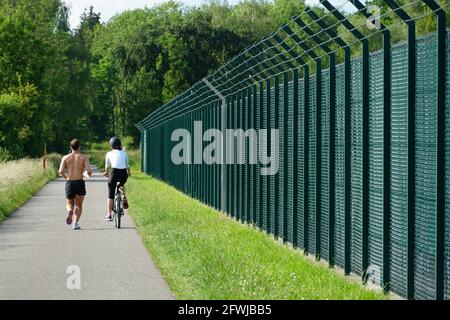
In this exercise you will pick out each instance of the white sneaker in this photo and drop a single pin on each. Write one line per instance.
(76, 226)
(108, 218)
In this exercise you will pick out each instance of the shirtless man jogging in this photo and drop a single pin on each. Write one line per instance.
(71, 169)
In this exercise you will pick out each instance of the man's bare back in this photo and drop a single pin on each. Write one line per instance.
(73, 166)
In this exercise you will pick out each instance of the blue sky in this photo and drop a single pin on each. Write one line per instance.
(109, 8)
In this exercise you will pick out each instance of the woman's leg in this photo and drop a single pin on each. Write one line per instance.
(109, 205)
(110, 200)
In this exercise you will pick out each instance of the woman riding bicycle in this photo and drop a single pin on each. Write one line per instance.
(117, 160)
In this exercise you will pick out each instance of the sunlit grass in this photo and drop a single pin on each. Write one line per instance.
(21, 179)
(203, 254)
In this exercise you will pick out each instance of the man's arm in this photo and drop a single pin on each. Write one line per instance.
(88, 168)
(62, 168)
(106, 173)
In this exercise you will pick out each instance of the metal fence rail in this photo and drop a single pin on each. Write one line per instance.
(363, 176)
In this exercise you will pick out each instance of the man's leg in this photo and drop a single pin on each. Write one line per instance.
(79, 207)
(70, 206)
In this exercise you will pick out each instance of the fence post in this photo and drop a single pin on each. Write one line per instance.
(386, 140)
(317, 129)
(255, 167)
(261, 178)
(365, 130)
(296, 132)
(295, 79)
(305, 139)
(285, 150)
(243, 178)
(332, 120)
(269, 144)
(277, 176)
(306, 161)
(249, 165)
(233, 198)
(239, 199)
(347, 138)
(411, 139)
(440, 144)
(286, 167)
(306, 144)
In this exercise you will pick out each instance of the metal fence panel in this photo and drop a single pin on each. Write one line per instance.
(312, 167)
(399, 171)
(265, 210)
(301, 166)
(258, 178)
(356, 164)
(376, 167)
(447, 177)
(290, 160)
(279, 178)
(271, 179)
(340, 169)
(268, 201)
(426, 160)
(325, 169)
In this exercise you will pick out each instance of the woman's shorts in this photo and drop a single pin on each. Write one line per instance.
(117, 175)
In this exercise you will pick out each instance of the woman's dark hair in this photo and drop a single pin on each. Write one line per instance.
(115, 143)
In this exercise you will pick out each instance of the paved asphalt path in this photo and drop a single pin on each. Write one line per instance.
(39, 253)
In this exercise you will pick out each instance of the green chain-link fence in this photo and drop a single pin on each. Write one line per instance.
(363, 176)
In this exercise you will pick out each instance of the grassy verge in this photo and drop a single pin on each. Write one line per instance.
(97, 152)
(203, 254)
(20, 180)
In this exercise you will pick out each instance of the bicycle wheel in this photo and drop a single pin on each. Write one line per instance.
(114, 213)
(118, 211)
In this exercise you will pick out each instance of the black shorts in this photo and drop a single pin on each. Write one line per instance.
(117, 175)
(75, 188)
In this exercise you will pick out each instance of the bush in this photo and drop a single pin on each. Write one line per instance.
(5, 155)
(97, 151)
(23, 125)
(53, 161)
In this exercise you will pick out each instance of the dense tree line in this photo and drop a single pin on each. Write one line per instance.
(44, 74)
(99, 79)
(141, 59)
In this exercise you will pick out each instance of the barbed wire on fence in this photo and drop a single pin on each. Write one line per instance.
(183, 103)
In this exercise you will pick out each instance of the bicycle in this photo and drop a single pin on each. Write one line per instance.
(118, 206)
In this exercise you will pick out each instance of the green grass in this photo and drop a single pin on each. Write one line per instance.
(21, 179)
(203, 254)
(97, 151)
